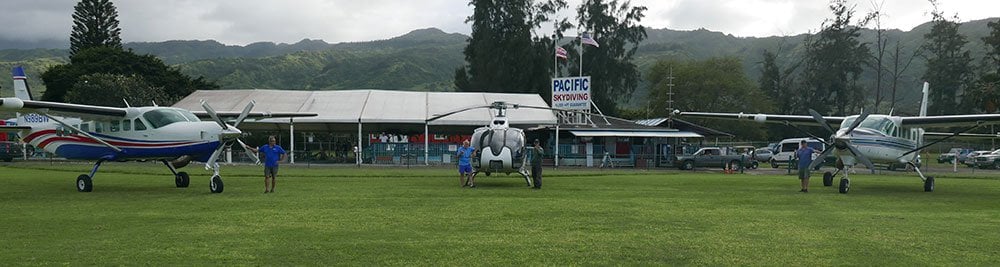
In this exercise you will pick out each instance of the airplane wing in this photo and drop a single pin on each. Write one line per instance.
(951, 120)
(255, 115)
(961, 135)
(46, 107)
(769, 118)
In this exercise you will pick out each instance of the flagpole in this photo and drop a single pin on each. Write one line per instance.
(581, 55)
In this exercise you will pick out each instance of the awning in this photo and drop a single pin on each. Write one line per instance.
(655, 134)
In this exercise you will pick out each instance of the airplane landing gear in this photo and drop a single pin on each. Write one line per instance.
(845, 185)
(845, 182)
(84, 183)
(216, 184)
(182, 180)
(928, 180)
(827, 179)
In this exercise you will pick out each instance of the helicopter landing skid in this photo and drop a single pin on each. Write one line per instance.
(527, 177)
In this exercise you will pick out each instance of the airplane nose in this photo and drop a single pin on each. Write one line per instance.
(230, 134)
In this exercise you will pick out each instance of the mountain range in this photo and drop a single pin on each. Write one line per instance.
(426, 59)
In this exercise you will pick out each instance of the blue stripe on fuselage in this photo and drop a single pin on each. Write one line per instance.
(200, 152)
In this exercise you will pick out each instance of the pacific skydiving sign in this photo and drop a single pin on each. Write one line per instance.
(571, 93)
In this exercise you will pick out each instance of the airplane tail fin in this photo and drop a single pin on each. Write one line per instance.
(21, 90)
(923, 104)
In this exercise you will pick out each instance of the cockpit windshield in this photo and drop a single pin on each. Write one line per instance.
(162, 117)
(882, 124)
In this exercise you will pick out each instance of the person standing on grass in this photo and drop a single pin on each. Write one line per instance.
(804, 156)
(536, 164)
(357, 155)
(273, 153)
(464, 154)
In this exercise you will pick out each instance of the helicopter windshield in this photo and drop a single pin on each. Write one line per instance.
(162, 117)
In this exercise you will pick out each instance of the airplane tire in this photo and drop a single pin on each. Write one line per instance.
(182, 179)
(84, 183)
(216, 184)
(929, 184)
(845, 185)
(827, 179)
(488, 173)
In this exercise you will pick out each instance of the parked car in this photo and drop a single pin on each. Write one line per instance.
(952, 154)
(712, 157)
(10, 150)
(970, 159)
(991, 160)
(787, 151)
(763, 154)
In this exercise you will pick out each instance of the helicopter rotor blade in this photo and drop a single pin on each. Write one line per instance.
(446, 114)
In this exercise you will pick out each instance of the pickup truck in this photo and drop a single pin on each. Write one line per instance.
(712, 157)
(9, 151)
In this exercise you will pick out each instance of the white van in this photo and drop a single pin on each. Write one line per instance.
(787, 147)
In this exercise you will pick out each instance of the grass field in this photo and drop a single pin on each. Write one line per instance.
(398, 216)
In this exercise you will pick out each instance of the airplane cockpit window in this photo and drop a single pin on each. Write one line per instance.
(115, 126)
(881, 124)
(99, 126)
(162, 117)
(126, 125)
(139, 126)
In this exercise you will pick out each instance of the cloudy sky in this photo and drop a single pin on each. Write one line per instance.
(246, 21)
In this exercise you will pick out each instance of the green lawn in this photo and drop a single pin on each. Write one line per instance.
(399, 216)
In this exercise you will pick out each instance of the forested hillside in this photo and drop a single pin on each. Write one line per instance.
(426, 59)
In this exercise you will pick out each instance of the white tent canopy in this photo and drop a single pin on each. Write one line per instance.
(374, 106)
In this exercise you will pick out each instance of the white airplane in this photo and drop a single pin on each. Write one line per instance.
(171, 135)
(865, 138)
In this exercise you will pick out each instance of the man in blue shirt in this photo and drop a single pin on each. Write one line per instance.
(804, 155)
(464, 154)
(272, 154)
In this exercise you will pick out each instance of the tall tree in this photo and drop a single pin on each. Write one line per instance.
(110, 89)
(715, 85)
(949, 65)
(878, 54)
(987, 88)
(833, 63)
(61, 79)
(504, 53)
(992, 41)
(900, 63)
(615, 26)
(95, 23)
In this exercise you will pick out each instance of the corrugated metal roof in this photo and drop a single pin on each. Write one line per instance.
(373, 106)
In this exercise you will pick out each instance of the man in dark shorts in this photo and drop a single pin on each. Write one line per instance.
(464, 154)
(273, 153)
(804, 155)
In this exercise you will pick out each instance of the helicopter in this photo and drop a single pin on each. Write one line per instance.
(500, 148)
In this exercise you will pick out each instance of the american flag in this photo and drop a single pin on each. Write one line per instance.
(561, 53)
(586, 39)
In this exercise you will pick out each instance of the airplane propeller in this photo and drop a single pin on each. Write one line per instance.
(229, 134)
(838, 140)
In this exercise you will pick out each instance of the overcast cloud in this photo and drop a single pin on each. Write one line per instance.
(246, 21)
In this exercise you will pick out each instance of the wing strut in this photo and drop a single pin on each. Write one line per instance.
(978, 124)
(113, 147)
